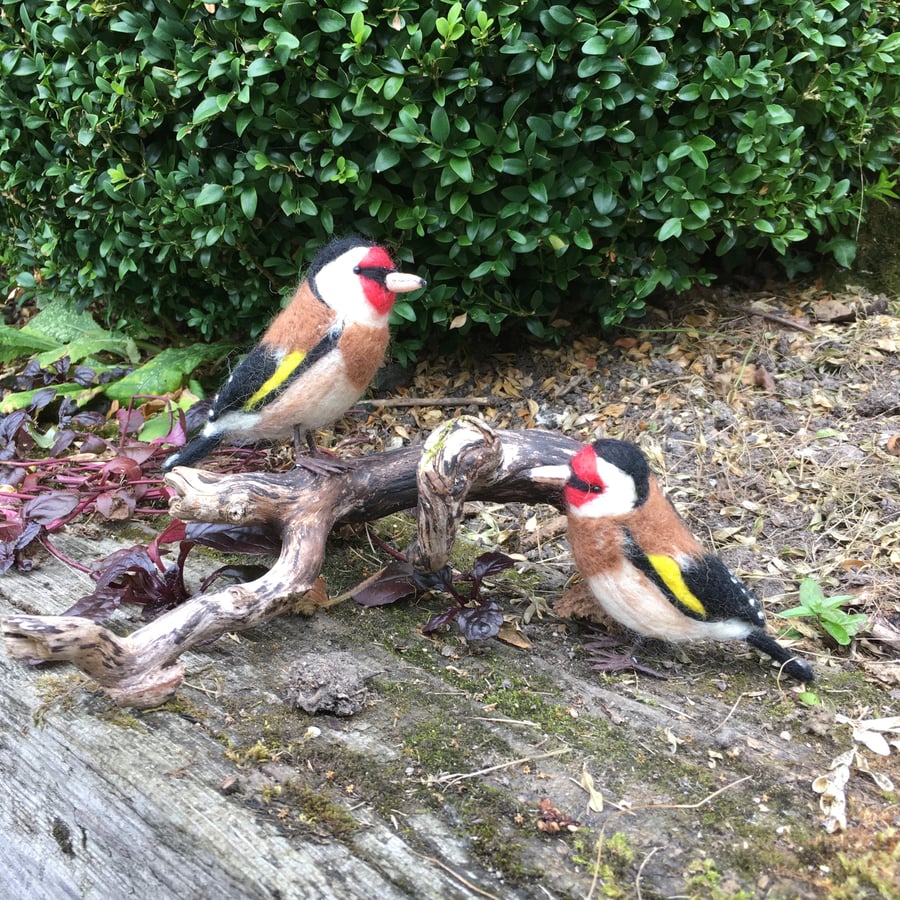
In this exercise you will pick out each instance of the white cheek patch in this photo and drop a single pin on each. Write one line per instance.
(619, 498)
(341, 288)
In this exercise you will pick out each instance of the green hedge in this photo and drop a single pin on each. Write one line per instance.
(182, 161)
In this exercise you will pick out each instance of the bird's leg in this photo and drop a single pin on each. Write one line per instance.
(310, 441)
(316, 461)
(604, 659)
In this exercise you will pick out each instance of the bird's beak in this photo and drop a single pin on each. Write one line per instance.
(402, 283)
(557, 475)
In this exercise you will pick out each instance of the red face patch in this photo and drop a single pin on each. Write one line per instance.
(584, 471)
(380, 262)
(377, 258)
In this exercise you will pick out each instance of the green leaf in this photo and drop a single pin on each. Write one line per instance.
(810, 594)
(17, 342)
(22, 399)
(838, 632)
(440, 125)
(329, 20)
(248, 202)
(206, 109)
(60, 330)
(462, 167)
(260, 67)
(160, 425)
(595, 46)
(404, 311)
(670, 228)
(795, 612)
(209, 193)
(86, 347)
(165, 373)
(843, 249)
(647, 56)
(387, 157)
(604, 199)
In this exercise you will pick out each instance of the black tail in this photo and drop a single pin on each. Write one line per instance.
(192, 452)
(791, 665)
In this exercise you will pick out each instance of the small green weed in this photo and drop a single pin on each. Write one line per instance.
(826, 612)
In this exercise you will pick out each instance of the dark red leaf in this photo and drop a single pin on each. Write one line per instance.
(197, 416)
(99, 605)
(395, 581)
(29, 533)
(11, 476)
(175, 573)
(490, 564)
(93, 444)
(441, 580)
(41, 398)
(89, 419)
(7, 556)
(228, 539)
(440, 619)
(139, 452)
(173, 533)
(177, 435)
(63, 441)
(123, 467)
(84, 375)
(50, 507)
(125, 576)
(121, 562)
(10, 425)
(480, 623)
(130, 420)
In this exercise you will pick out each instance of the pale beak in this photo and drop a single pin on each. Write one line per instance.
(402, 283)
(557, 475)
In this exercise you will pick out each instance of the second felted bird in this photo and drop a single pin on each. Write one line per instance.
(316, 358)
(644, 567)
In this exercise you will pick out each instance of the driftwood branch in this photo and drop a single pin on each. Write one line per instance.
(462, 460)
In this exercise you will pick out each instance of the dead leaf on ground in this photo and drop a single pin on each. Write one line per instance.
(830, 310)
(509, 634)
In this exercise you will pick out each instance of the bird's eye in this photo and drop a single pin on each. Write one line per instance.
(356, 270)
(596, 488)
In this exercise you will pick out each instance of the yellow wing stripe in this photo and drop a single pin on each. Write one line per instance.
(277, 378)
(668, 570)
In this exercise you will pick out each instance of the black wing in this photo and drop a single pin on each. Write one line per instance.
(723, 594)
(262, 376)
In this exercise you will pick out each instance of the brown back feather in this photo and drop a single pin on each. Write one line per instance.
(302, 323)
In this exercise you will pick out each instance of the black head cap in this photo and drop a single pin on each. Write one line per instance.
(629, 459)
(332, 251)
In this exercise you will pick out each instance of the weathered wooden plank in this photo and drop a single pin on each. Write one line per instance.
(420, 793)
(97, 802)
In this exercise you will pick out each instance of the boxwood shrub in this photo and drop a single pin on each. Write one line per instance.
(180, 162)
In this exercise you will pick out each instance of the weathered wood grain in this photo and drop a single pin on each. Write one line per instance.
(440, 775)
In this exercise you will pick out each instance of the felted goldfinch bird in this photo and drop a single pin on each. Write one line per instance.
(316, 358)
(644, 567)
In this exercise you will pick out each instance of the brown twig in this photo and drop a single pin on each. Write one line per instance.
(454, 777)
(770, 317)
(414, 402)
